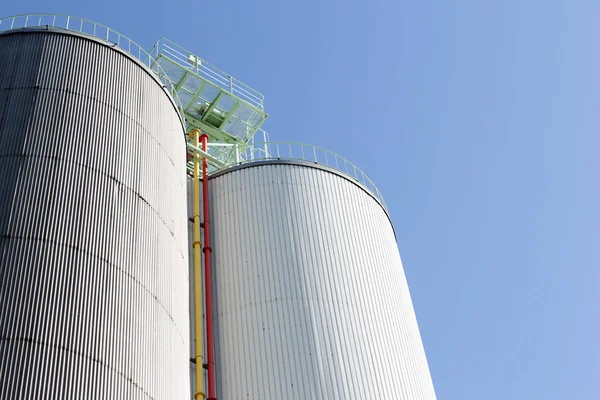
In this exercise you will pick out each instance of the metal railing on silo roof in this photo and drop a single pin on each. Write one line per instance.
(221, 106)
(87, 27)
(208, 71)
(229, 155)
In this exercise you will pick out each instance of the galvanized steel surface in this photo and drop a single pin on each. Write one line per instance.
(90, 28)
(311, 296)
(93, 241)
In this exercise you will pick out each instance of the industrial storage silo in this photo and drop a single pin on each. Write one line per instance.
(309, 297)
(311, 300)
(93, 241)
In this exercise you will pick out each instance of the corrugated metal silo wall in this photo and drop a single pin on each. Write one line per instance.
(311, 296)
(93, 257)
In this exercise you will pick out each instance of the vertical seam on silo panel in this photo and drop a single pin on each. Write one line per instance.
(333, 278)
(259, 307)
(299, 304)
(310, 196)
(297, 260)
(290, 303)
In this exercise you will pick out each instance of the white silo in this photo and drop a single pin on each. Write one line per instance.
(93, 242)
(311, 297)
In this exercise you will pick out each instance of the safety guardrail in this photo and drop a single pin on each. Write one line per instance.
(212, 74)
(244, 154)
(85, 26)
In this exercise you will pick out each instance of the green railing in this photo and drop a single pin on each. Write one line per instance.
(235, 154)
(208, 71)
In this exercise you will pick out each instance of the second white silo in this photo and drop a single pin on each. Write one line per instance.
(311, 300)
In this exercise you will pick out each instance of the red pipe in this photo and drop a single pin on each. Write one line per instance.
(210, 352)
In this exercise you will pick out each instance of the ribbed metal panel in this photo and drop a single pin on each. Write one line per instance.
(93, 246)
(311, 297)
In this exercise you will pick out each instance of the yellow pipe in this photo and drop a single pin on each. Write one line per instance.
(195, 136)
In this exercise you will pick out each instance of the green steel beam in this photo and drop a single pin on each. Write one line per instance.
(253, 131)
(195, 95)
(193, 119)
(246, 104)
(155, 61)
(211, 107)
(229, 114)
(213, 160)
(181, 81)
(225, 137)
(232, 154)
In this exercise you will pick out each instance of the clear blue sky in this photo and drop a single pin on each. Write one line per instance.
(479, 122)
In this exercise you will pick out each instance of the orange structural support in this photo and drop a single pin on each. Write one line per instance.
(210, 352)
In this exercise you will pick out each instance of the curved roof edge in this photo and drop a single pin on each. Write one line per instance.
(111, 45)
(307, 164)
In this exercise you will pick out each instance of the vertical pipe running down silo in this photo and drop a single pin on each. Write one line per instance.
(195, 134)
(210, 353)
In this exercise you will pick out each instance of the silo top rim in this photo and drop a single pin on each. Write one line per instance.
(285, 152)
(308, 164)
(301, 163)
(206, 97)
(92, 30)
